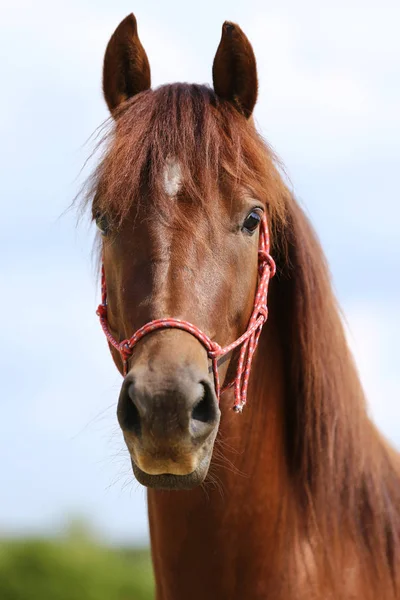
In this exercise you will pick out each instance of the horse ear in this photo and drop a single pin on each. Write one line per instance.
(126, 69)
(235, 69)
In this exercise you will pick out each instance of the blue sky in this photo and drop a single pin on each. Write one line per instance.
(328, 104)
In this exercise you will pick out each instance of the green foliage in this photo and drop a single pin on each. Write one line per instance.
(73, 568)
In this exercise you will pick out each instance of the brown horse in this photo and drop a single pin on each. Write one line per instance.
(301, 494)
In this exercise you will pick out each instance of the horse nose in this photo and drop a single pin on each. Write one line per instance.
(180, 409)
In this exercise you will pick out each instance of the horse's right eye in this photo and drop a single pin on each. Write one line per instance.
(102, 223)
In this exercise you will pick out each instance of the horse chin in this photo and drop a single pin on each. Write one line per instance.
(167, 481)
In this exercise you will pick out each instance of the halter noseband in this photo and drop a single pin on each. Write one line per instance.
(249, 339)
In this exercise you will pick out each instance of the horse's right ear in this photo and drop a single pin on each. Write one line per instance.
(126, 69)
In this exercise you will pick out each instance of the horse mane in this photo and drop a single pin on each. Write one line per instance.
(345, 475)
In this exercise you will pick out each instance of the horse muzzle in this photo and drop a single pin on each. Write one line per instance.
(169, 416)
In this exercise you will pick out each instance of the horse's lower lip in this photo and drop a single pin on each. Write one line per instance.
(167, 481)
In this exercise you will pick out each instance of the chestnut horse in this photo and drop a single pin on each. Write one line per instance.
(299, 496)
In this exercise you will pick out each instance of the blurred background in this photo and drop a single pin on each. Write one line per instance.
(72, 520)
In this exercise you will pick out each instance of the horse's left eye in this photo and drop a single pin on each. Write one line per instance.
(252, 221)
(102, 223)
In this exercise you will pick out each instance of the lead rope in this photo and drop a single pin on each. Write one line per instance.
(249, 339)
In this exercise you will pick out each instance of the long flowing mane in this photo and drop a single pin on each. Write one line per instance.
(346, 477)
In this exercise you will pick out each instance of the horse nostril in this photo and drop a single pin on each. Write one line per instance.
(205, 409)
(128, 413)
(133, 418)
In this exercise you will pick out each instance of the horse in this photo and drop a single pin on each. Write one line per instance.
(294, 494)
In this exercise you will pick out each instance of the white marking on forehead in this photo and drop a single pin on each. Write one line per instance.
(172, 177)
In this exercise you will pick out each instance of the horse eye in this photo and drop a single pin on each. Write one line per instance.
(252, 221)
(102, 223)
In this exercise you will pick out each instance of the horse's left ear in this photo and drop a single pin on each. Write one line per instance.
(235, 70)
(126, 69)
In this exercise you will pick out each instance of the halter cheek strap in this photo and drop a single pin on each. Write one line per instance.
(248, 341)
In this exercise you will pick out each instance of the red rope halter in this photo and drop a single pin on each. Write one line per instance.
(249, 339)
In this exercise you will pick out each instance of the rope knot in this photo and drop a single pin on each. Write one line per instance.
(102, 311)
(265, 258)
(263, 311)
(215, 350)
(125, 349)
